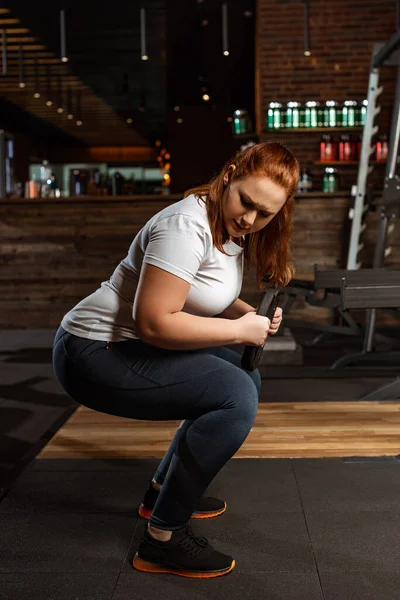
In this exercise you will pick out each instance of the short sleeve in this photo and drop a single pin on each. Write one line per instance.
(177, 244)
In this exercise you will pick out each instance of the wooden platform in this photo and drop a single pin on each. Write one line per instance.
(281, 430)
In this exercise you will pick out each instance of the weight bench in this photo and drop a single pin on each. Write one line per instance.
(330, 282)
(366, 293)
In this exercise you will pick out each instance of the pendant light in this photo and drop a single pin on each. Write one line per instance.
(64, 57)
(143, 50)
(21, 67)
(225, 49)
(307, 51)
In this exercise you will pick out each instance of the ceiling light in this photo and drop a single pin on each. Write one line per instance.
(307, 51)
(49, 100)
(21, 67)
(225, 29)
(36, 92)
(143, 34)
(64, 57)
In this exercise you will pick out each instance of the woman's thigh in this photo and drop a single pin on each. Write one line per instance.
(235, 359)
(137, 380)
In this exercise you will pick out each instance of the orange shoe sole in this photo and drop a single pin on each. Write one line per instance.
(146, 513)
(149, 567)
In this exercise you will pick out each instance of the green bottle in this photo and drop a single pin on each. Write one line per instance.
(311, 114)
(364, 111)
(296, 114)
(240, 122)
(274, 118)
(332, 180)
(325, 181)
(349, 113)
(270, 115)
(330, 113)
(278, 115)
(289, 115)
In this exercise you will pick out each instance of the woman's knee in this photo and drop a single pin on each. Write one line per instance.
(240, 394)
(255, 376)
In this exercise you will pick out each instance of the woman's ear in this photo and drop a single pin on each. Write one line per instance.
(228, 174)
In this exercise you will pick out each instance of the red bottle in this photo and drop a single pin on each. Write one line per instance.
(327, 149)
(382, 149)
(345, 149)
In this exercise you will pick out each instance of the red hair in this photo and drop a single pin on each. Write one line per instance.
(269, 248)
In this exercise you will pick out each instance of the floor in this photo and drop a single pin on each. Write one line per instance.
(297, 528)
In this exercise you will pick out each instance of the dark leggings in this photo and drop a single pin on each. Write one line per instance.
(208, 388)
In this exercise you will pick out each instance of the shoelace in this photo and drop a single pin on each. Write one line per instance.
(193, 544)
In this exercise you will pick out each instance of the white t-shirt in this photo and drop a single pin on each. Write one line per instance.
(178, 240)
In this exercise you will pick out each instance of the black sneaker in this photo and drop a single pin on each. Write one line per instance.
(184, 554)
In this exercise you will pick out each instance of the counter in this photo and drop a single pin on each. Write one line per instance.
(56, 251)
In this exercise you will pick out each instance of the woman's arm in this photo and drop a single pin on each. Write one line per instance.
(240, 308)
(236, 310)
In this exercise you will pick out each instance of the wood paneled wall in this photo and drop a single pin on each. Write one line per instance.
(55, 252)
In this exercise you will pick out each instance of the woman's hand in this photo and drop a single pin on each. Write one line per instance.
(276, 321)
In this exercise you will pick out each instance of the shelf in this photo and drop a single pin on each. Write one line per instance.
(348, 162)
(309, 130)
(243, 136)
(320, 193)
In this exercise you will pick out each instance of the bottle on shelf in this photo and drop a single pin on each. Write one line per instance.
(275, 116)
(305, 184)
(330, 180)
(349, 111)
(45, 179)
(289, 115)
(311, 114)
(345, 149)
(32, 188)
(331, 113)
(241, 122)
(363, 112)
(295, 114)
(327, 149)
(381, 152)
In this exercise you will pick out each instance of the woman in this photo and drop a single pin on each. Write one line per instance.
(150, 342)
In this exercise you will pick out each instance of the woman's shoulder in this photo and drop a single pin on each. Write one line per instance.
(186, 212)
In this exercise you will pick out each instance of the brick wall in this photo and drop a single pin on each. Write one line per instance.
(342, 34)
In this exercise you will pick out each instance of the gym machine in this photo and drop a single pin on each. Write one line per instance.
(363, 201)
(371, 296)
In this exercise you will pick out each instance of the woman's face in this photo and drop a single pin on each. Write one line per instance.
(249, 204)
